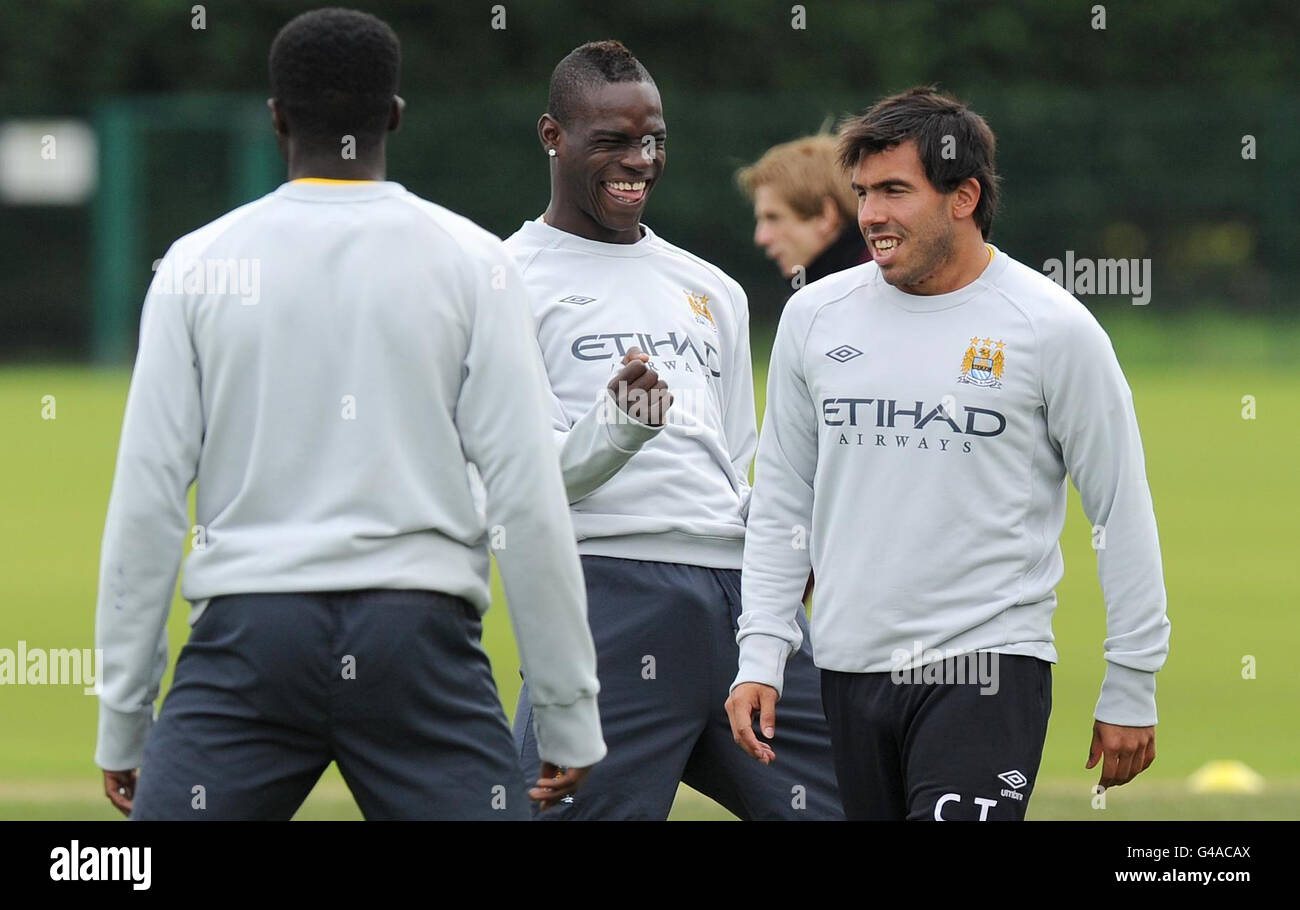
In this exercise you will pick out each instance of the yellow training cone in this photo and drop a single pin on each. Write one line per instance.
(1226, 777)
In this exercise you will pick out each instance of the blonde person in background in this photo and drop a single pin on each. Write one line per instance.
(805, 212)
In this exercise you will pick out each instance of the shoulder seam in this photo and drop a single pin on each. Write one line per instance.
(726, 280)
(817, 311)
(1033, 330)
(803, 349)
(410, 200)
(532, 257)
(248, 209)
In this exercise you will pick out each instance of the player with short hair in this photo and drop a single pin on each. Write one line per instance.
(331, 420)
(658, 503)
(805, 214)
(923, 412)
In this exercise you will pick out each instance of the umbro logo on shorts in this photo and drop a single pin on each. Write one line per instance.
(843, 353)
(577, 298)
(1015, 780)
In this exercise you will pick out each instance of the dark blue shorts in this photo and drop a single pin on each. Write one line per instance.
(951, 746)
(666, 649)
(393, 685)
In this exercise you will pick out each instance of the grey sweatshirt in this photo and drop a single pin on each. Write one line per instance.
(330, 394)
(684, 494)
(915, 452)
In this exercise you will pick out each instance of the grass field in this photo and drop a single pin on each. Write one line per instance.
(1226, 492)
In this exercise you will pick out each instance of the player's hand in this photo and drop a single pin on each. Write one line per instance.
(1127, 751)
(555, 784)
(638, 390)
(746, 700)
(119, 787)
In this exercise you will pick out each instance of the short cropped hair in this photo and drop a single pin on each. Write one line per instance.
(592, 65)
(804, 173)
(334, 72)
(938, 123)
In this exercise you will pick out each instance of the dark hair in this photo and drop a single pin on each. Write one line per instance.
(334, 72)
(928, 117)
(594, 64)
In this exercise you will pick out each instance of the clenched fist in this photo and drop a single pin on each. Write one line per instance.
(638, 390)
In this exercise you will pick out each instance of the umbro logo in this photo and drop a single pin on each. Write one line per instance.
(843, 353)
(1013, 779)
(577, 298)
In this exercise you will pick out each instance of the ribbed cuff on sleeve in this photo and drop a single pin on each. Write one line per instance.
(121, 738)
(1128, 697)
(569, 735)
(762, 660)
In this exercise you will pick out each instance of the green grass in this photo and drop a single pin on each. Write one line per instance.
(1225, 491)
(77, 800)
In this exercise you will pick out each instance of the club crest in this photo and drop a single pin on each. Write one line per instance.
(700, 308)
(983, 363)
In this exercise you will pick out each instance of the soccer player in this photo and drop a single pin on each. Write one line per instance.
(658, 504)
(340, 561)
(923, 411)
(805, 214)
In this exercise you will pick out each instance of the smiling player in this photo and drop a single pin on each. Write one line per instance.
(923, 412)
(659, 505)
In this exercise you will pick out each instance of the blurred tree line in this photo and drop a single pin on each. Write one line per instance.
(1120, 141)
